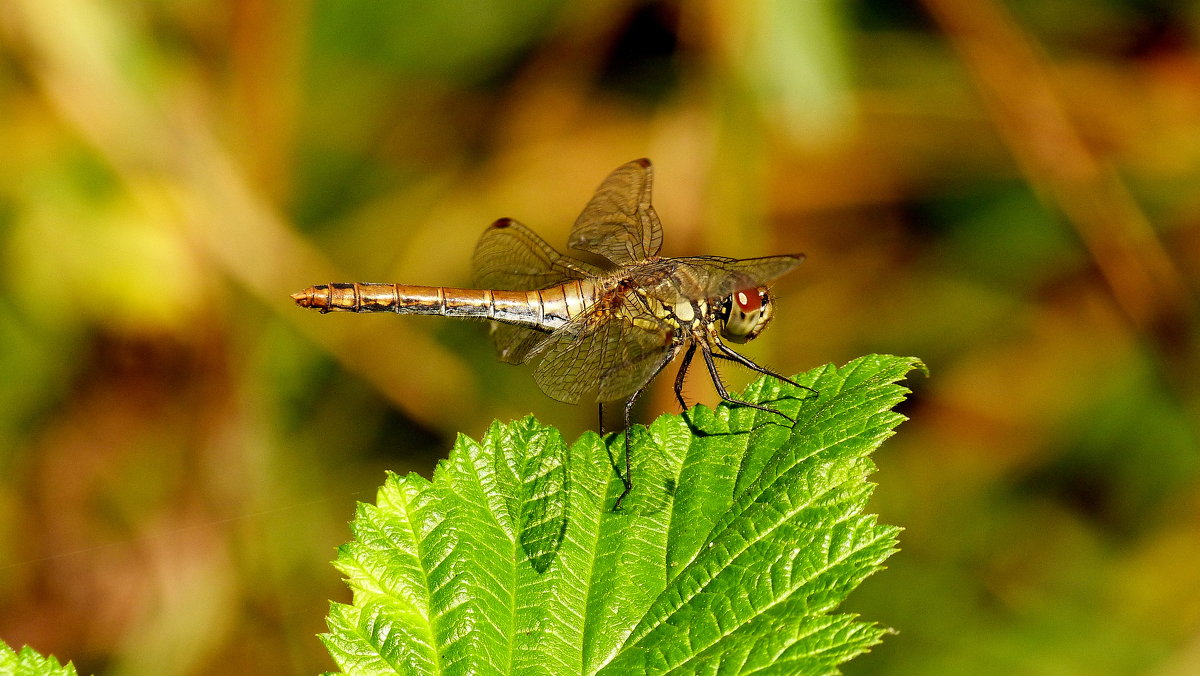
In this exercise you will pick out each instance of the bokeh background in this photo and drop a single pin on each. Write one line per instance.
(1009, 190)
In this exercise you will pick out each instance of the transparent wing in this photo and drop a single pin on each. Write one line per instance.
(619, 222)
(729, 275)
(513, 343)
(609, 351)
(511, 257)
(673, 280)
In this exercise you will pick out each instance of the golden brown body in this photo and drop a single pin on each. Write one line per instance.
(596, 331)
(539, 309)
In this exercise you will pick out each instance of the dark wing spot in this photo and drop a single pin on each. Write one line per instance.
(502, 223)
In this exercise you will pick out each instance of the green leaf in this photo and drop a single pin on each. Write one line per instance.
(741, 536)
(29, 663)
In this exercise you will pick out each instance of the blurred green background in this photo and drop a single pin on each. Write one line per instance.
(1008, 190)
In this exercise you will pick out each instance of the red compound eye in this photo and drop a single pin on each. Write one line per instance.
(748, 300)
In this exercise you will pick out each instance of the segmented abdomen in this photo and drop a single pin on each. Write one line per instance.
(545, 309)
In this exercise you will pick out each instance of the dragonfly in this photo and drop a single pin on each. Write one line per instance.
(603, 330)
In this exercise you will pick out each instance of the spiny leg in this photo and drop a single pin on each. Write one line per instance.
(716, 378)
(730, 355)
(600, 409)
(627, 478)
(683, 367)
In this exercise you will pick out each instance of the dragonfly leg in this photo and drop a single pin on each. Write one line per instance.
(627, 477)
(721, 390)
(735, 357)
(600, 409)
(683, 367)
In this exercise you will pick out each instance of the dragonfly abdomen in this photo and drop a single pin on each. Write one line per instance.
(545, 309)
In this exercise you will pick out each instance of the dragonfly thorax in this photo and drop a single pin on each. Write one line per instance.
(744, 314)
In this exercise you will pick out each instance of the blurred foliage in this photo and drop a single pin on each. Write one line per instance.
(28, 663)
(1006, 189)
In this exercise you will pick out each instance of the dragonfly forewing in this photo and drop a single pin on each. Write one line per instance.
(619, 223)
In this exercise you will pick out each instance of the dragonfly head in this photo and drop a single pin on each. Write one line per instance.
(745, 314)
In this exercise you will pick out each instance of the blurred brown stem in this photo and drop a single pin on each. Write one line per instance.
(1018, 89)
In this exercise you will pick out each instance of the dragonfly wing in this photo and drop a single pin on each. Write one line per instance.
(619, 223)
(716, 276)
(511, 257)
(606, 352)
(513, 343)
